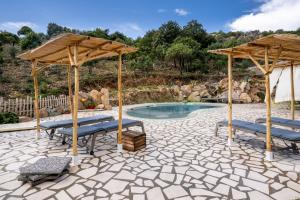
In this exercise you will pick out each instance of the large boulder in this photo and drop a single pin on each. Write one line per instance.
(223, 84)
(96, 96)
(236, 94)
(100, 106)
(59, 110)
(256, 99)
(83, 96)
(175, 90)
(203, 91)
(105, 98)
(205, 94)
(80, 105)
(235, 85)
(186, 90)
(245, 98)
(44, 113)
(194, 97)
(180, 96)
(254, 94)
(163, 89)
(223, 95)
(199, 88)
(108, 107)
(244, 86)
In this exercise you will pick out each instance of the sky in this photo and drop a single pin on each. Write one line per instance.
(135, 17)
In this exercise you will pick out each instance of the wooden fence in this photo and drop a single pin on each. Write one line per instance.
(25, 106)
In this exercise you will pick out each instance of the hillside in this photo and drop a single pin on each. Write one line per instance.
(170, 55)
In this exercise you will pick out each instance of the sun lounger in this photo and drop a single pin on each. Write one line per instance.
(91, 131)
(281, 122)
(53, 125)
(283, 134)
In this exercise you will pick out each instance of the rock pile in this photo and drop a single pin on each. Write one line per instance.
(93, 100)
(243, 91)
(246, 91)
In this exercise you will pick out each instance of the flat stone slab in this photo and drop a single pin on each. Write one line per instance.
(46, 166)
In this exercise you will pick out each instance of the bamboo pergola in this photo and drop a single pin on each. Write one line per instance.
(277, 50)
(72, 51)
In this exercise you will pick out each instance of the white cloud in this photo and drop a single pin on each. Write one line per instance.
(181, 11)
(130, 29)
(271, 15)
(161, 10)
(15, 26)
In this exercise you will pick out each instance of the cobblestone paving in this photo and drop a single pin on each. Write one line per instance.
(183, 160)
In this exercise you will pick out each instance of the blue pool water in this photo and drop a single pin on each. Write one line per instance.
(166, 111)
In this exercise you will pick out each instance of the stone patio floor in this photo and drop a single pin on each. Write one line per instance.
(183, 160)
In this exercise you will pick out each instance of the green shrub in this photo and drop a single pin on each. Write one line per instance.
(89, 104)
(8, 118)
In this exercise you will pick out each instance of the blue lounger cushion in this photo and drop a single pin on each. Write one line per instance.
(69, 122)
(104, 126)
(258, 128)
(281, 121)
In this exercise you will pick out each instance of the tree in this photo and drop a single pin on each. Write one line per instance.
(30, 41)
(25, 30)
(55, 29)
(143, 63)
(196, 51)
(8, 38)
(120, 37)
(179, 53)
(98, 32)
(168, 32)
(195, 30)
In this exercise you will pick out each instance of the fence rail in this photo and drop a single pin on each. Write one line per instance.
(25, 106)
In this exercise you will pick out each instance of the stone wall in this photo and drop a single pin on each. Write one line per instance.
(244, 91)
(248, 91)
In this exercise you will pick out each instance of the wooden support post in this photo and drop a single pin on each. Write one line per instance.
(292, 92)
(120, 147)
(269, 154)
(230, 136)
(36, 99)
(75, 109)
(70, 99)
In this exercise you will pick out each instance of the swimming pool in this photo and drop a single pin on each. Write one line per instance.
(166, 111)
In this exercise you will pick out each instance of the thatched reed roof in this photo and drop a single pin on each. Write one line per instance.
(55, 51)
(283, 48)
